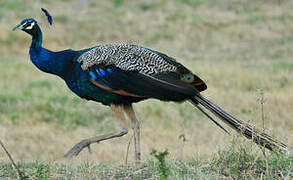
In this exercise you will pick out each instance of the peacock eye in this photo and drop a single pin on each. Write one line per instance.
(29, 25)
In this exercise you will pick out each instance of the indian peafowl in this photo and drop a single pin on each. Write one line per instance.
(118, 75)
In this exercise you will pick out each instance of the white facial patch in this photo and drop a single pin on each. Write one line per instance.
(31, 25)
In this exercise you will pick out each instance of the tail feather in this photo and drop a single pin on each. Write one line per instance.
(205, 113)
(240, 126)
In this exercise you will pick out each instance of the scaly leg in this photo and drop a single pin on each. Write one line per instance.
(87, 142)
(135, 126)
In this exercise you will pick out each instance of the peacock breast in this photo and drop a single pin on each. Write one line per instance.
(80, 84)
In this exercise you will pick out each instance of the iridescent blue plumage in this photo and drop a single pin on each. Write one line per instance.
(93, 75)
(64, 65)
(102, 72)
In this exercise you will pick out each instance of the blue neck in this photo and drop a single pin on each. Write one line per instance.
(37, 38)
(48, 61)
(58, 63)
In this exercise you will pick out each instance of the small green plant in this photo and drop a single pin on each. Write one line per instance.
(163, 169)
(146, 6)
(192, 2)
(246, 111)
(118, 3)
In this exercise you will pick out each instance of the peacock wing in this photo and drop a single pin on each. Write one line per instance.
(136, 71)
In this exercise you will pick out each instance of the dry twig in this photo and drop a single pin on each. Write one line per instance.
(12, 161)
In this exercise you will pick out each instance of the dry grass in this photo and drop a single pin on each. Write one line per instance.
(238, 161)
(237, 48)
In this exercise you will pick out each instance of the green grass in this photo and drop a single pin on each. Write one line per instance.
(118, 3)
(245, 164)
(45, 101)
(10, 5)
(233, 163)
(284, 65)
(193, 2)
(148, 6)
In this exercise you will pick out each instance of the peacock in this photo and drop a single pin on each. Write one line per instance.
(118, 75)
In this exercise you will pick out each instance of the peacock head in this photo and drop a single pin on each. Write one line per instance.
(28, 25)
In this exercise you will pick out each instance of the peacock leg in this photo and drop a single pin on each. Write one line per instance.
(135, 126)
(77, 148)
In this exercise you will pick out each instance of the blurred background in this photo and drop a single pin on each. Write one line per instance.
(241, 49)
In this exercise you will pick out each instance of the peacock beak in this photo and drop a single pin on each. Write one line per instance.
(17, 27)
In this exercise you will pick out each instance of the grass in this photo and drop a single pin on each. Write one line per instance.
(237, 48)
(239, 162)
(8, 5)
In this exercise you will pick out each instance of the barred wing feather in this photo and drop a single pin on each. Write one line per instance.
(136, 71)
